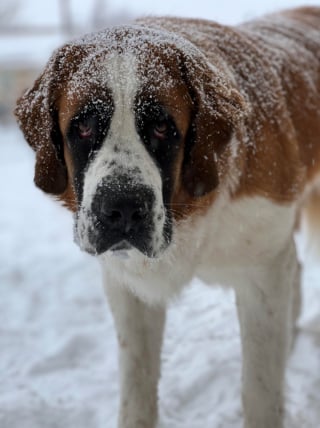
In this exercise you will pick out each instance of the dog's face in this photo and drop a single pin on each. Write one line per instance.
(131, 131)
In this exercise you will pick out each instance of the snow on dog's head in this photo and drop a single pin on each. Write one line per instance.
(131, 129)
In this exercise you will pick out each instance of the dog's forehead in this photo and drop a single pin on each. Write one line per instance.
(115, 56)
(126, 72)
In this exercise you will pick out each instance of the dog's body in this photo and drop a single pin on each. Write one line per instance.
(185, 148)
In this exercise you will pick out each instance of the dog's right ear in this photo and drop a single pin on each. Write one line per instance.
(219, 109)
(37, 116)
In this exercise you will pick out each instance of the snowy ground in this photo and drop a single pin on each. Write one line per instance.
(58, 355)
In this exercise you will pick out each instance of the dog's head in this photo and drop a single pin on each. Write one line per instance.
(131, 129)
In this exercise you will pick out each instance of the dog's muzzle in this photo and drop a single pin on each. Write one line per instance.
(123, 217)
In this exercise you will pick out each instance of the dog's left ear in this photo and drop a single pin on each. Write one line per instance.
(219, 109)
(37, 117)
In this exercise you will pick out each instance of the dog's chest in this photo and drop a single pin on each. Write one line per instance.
(244, 234)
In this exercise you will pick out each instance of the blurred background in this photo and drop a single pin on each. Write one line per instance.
(58, 353)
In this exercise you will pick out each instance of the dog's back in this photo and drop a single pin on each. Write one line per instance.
(303, 73)
(309, 214)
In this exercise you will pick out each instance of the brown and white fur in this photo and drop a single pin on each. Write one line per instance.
(184, 149)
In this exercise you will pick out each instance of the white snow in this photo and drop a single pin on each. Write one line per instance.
(58, 353)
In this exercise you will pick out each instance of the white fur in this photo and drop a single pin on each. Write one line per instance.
(265, 303)
(140, 329)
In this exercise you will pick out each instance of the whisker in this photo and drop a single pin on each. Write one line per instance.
(188, 205)
(180, 214)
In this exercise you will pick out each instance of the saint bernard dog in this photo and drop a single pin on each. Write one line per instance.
(185, 148)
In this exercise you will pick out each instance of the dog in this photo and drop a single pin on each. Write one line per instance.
(185, 148)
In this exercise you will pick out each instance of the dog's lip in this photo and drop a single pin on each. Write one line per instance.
(120, 249)
(123, 245)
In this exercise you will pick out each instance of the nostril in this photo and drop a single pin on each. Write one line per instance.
(126, 218)
(114, 216)
(138, 215)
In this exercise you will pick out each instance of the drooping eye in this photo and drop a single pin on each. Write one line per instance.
(160, 129)
(85, 129)
(156, 127)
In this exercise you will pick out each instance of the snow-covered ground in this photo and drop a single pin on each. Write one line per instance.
(58, 353)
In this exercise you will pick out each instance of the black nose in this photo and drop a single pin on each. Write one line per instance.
(124, 215)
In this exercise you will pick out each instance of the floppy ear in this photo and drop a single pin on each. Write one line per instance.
(37, 117)
(218, 110)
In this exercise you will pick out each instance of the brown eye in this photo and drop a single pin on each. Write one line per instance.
(84, 130)
(160, 130)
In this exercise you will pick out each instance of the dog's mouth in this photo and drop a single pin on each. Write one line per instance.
(119, 221)
(110, 241)
(121, 250)
(122, 246)
(150, 240)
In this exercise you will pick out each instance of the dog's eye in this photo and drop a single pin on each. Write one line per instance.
(85, 129)
(160, 130)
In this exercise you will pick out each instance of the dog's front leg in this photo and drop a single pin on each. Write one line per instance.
(265, 313)
(139, 330)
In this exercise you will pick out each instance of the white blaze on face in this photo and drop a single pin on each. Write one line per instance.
(122, 151)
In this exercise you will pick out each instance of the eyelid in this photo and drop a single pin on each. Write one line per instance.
(161, 124)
